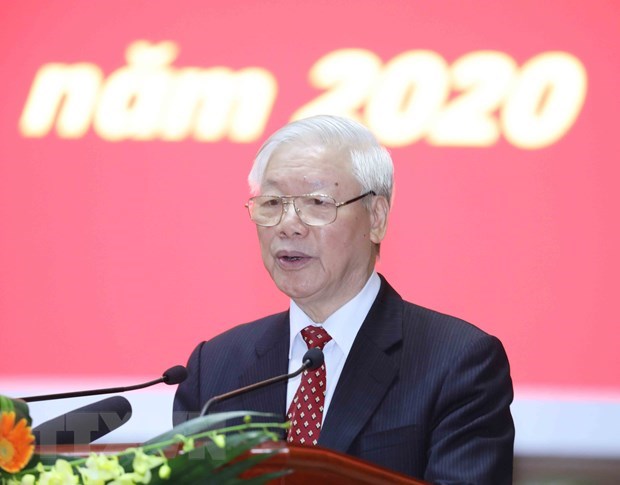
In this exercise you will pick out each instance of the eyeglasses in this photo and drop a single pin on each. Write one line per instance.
(312, 209)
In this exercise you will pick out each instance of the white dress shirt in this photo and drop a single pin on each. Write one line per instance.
(342, 325)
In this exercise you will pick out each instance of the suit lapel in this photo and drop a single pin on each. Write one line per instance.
(271, 361)
(370, 369)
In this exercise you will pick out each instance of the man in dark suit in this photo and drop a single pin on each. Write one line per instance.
(402, 386)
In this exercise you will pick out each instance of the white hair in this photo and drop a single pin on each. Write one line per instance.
(372, 164)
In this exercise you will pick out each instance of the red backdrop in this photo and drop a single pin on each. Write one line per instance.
(123, 237)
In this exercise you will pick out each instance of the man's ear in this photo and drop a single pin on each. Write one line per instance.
(379, 211)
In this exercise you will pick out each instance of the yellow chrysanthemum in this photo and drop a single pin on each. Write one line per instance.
(16, 443)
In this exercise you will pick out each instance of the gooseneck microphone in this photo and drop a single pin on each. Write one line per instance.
(86, 424)
(311, 360)
(174, 375)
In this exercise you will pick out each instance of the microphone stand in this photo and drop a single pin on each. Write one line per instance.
(312, 359)
(174, 375)
(110, 390)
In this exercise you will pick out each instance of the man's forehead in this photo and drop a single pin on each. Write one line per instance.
(313, 165)
(312, 156)
(310, 181)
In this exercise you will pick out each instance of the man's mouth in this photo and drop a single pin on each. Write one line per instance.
(292, 258)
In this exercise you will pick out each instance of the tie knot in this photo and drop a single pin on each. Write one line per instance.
(315, 337)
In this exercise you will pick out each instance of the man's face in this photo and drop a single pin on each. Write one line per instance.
(320, 267)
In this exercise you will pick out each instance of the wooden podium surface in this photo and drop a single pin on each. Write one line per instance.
(312, 465)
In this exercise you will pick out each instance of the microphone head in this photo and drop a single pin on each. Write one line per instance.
(175, 375)
(313, 359)
(86, 424)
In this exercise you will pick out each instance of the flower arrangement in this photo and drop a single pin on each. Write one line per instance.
(16, 439)
(207, 451)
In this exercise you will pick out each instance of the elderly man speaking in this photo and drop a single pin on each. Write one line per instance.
(402, 386)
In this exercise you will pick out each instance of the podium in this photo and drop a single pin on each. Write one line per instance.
(313, 465)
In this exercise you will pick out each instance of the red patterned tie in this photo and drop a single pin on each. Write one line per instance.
(306, 411)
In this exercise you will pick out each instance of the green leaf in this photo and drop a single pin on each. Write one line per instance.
(204, 423)
(20, 407)
(6, 404)
(189, 471)
(22, 411)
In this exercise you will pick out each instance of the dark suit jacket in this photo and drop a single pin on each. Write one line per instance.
(421, 392)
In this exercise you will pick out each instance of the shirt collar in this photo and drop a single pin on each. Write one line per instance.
(345, 322)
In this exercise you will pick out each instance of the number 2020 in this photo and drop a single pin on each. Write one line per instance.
(484, 94)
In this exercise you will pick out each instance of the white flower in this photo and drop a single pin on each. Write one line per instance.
(100, 469)
(60, 474)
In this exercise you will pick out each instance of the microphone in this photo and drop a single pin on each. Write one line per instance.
(86, 424)
(174, 375)
(311, 360)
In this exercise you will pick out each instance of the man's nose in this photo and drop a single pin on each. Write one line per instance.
(291, 222)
